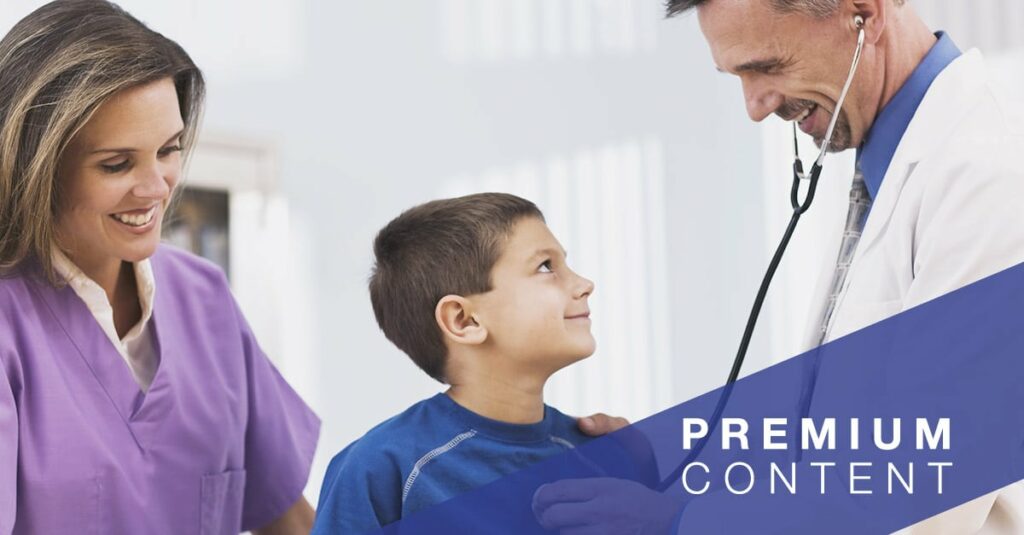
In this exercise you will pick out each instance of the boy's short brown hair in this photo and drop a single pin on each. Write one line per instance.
(443, 247)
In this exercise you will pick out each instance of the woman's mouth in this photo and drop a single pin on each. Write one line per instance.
(136, 220)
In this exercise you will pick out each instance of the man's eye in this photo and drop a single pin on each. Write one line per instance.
(545, 267)
(115, 167)
(780, 66)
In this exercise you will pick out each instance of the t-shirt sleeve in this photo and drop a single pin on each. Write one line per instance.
(280, 438)
(8, 451)
(362, 491)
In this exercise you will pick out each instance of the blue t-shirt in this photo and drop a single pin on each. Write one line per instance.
(433, 451)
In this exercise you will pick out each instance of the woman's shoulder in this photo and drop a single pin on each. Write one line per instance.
(20, 305)
(14, 287)
(181, 268)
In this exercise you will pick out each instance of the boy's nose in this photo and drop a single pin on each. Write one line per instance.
(584, 288)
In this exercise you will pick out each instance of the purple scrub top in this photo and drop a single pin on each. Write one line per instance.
(220, 443)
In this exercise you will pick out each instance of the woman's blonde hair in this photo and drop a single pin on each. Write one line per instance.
(57, 66)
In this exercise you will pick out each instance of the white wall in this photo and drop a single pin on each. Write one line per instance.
(387, 112)
(375, 106)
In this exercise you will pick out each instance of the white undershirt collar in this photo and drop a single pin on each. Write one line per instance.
(137, 346)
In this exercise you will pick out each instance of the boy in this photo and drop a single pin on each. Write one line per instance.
(477, 292)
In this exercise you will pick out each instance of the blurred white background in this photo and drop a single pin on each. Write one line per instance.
(326, 119)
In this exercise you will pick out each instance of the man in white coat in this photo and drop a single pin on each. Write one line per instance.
(938, 196)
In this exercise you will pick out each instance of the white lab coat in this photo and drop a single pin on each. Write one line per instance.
(950, 211)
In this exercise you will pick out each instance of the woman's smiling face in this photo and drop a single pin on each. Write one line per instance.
(117, 176)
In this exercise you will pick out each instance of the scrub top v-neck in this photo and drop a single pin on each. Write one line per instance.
(219, 443)
(137, 346)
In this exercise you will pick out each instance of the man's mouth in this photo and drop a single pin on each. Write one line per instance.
(803, 113)
(814, 119)
(806, 120)
(806, 113)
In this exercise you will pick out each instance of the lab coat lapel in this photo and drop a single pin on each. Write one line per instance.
(943, 108)
(936, 119)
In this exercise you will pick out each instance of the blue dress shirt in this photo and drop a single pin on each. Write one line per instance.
(875, 154)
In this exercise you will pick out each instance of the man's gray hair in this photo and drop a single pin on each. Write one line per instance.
(814, 8)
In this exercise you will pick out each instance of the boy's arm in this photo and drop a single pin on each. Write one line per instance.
(361, 492)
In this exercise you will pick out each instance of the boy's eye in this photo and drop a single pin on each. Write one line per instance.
(545, 267)
(116, 167)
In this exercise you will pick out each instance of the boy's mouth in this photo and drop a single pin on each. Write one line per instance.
(583, 316)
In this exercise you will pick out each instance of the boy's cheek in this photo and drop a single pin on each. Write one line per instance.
(529, 314)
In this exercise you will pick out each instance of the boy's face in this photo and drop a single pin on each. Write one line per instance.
(536, 313)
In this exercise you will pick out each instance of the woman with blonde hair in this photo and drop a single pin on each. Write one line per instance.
(133, 395)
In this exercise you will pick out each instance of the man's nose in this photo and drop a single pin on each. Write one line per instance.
(761, 101)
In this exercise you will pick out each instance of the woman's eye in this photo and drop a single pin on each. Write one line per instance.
(116, 167)
(169, 150)
(545, 267)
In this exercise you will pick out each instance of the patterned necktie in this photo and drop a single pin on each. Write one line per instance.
(860, 204)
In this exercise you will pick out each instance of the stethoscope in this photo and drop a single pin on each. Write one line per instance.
(799, 207)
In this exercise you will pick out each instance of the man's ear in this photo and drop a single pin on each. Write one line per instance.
(875, 14)
(454, 315)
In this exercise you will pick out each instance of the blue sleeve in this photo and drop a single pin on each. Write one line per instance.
(362, 491)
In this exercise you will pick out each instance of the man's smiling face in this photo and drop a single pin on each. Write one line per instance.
(790, 64)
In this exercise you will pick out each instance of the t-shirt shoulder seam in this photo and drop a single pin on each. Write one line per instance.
(430, 456)
(564, 442)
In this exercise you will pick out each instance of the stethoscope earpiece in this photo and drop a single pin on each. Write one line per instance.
(859, 22)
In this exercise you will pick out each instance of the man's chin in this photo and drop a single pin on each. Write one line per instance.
(833, 148)
(837, 145)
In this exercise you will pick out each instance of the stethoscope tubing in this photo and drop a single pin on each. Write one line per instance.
(799, 208)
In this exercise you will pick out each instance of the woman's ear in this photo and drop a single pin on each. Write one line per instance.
(454, 315)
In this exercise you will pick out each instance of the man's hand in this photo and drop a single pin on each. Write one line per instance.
(599, 424)
(634, 441)
(603, 506)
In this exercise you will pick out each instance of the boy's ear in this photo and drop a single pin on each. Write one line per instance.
(454, 316)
